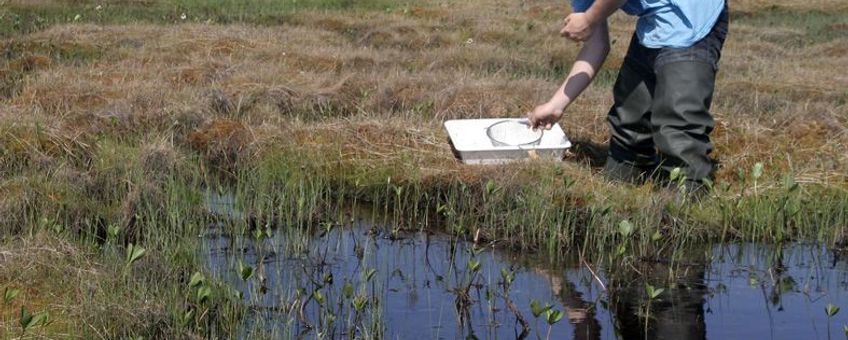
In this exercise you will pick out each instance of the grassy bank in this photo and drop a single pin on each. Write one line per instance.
(122, 117)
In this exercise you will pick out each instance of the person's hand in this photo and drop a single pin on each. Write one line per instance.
(577, 27)
(544, 116)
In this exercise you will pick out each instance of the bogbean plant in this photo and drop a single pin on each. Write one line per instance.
(651, 295)
(285, 194)
(282, 193)
(551, 316)
(468, 280)
(26, 319)
(507, 278)
(317, 303)
(831, 310)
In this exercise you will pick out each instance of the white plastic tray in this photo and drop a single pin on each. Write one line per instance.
(473, 146)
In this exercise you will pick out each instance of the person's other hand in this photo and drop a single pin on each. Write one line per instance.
(577, 27)
(544, 116)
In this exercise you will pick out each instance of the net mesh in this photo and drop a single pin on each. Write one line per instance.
(513, 133)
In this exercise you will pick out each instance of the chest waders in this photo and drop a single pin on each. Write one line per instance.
(660, 119)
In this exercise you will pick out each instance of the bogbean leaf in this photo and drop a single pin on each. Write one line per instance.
(369, 274)
(245, 271)
(491, 187)
(708, 183)
(535, 308)
(553, 316)
(113, 230)
(258, 234)
(757, 171)
(28, 320)
(203, 294)
(236, 293)
(656, 236)
(196, 280)
(440, 208)
(675, 174)
(653, 292)
(187, 317)
(10, 294)
(567, 182)
(831, 309)
(625, 228)
(319, 297)
(347, 290)
(507, 276)
(134, 253)
(359, 303)
(790, 185)
(474, 265)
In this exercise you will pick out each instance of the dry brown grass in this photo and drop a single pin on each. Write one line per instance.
(376, 86)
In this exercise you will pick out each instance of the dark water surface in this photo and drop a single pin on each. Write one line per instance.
(736, 291)
(743, 292)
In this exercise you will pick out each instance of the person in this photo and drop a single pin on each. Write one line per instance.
(660, 119)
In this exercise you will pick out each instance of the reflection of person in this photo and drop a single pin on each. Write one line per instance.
(579, 312)
(664, 88)
(678, 313)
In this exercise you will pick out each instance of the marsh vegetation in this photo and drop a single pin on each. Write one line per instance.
(121, 120)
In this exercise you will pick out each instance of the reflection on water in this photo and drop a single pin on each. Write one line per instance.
(425, 287)
(778, 293)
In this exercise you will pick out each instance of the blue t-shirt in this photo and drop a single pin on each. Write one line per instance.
(668, 23)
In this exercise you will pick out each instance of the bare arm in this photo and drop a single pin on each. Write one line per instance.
(589, 60)
(579, 26)
(602, 9)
